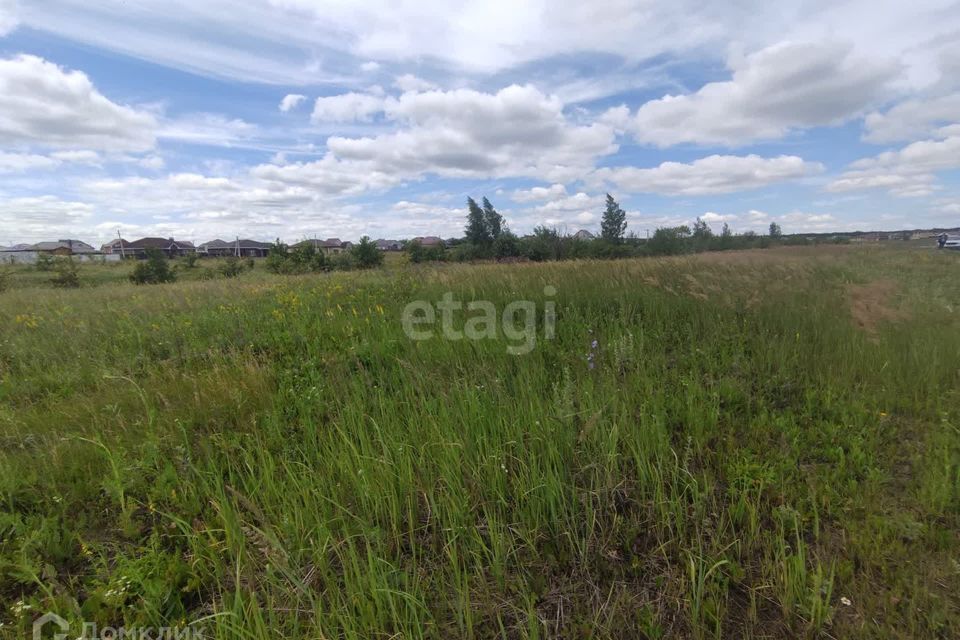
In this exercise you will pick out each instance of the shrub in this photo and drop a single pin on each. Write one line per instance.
(419, 253)
(68, 277)
(45, 262)
(190, 260)
(277, 258)
(154, 270)
(231, 268)
(4, 280)
(366, 254)
(343, 261)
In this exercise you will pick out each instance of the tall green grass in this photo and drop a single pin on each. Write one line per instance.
(272, 456)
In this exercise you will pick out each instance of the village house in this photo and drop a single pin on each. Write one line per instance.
(114, 246)
(330, 246)
(389, 245)
(240, 248)
(584, 235)
(30, 253)
(168, 246)
(429, 241)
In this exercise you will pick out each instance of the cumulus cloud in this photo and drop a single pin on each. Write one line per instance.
(20, 162)
(46, 217)
(912, 119)
(370, 66)
(535, 194)
(910, 171)
(710, 175)
(410, 82)
(771, 92)
(291, 101)
(347, 107)
(42, 104)
(517, 131)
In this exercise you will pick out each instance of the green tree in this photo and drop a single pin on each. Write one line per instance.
(775, 231)
(366, 254)
(477, 231)
(154, 270)
(668, 241)
(492, 220)
(614, 222)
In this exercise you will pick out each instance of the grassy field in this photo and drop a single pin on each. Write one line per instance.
(759, 444)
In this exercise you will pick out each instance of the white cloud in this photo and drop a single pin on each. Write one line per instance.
(370, 66)
(908, 172)
(25, 162)
(778, 89)
(46, 217)
(291, 101)
(912, 119)
(81, 156)
(410, 82)
(8, 16)
(21, 162)
(710, 175)
(42, 104)
(711, 217)
(539, 193)
(579, 202)
(347, 107)
(208, 129)
(517, 131)
(329, 176)
(153, 162)
(303, 42)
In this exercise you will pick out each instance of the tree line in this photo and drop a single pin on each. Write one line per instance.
(487, 236)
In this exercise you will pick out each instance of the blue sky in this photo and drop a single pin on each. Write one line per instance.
(302, 118)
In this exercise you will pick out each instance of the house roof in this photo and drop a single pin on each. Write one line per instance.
(232, 244)
(583, 234)
(157, 243)
(329, 243)
(427, 241)
(76, 246)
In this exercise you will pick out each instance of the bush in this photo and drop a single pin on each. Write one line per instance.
(67, 276)
(506, 245)
(366, 254)
(277, 258)
(231, 268)
(4, 280)
(190, 260)
(343, 261)
(45, 262)
(419, 253)
(154, 270)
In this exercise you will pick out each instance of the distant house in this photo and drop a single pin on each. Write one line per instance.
(240, 248)
(429, 241)
(389, 245)
(63, 247)
(330, 246)
(114, 246)
(168, 246)
(30, 253)
(583, 234)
